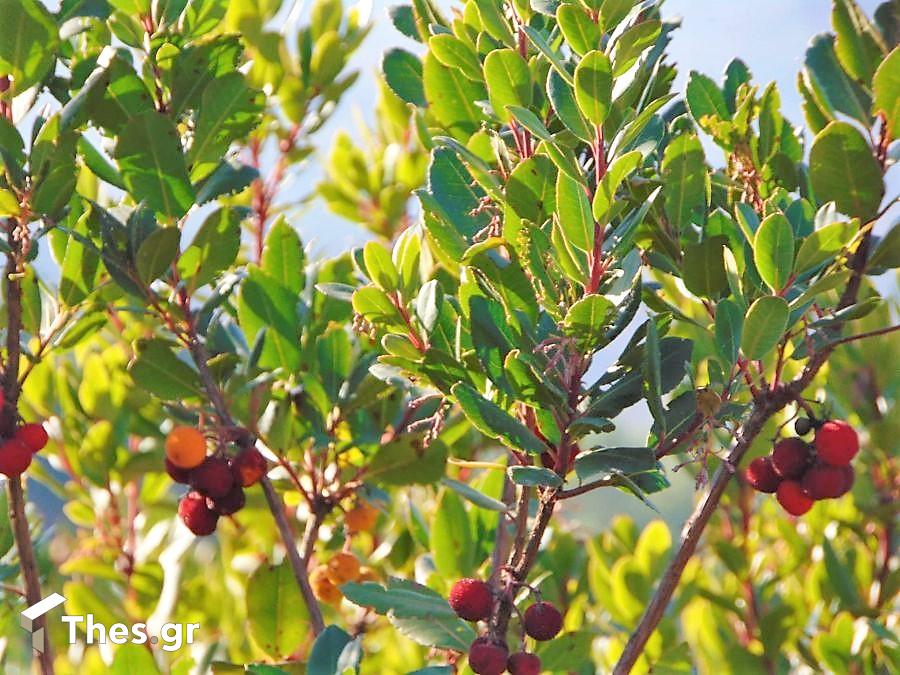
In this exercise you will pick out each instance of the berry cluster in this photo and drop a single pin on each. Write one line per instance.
(341, 568)
(799, 473)
(473, 600)
(16, 452)
(217, 481)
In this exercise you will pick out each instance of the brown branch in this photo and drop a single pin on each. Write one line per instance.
(8, 420)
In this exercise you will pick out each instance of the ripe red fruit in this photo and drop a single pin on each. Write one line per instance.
(33, 435)
(792, 498)
(543, 621)
(213, 478)
(471, 599)
(823, 481)
(231, 503)
(761, 475)
(523, 663)
(849, 476)
(790, 457)
(15, 457)
(178, 474)
(196, 514)
(836, 443)
(488, 657)
(248, 467)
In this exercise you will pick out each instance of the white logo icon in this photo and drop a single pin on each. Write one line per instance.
(34, 612)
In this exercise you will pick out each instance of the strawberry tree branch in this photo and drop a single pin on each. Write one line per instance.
(769, 403)
(216, 397)
(11, 389)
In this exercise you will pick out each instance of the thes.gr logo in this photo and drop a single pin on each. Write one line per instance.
(34, 612)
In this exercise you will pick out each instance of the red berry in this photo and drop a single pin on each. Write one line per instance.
(178, 474)
(823, 481)
(792, 498)
(543, 621)
(523, 663)
(229, 504)
(761, 475)
(790, 457)
(15, 457)
(488, 657)
(248, 467)
(196, 514)
(33, 435)
(471, 599)
(213, 478)
(849, 476)
(836, 442)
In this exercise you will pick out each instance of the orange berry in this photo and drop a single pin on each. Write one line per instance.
(343, 567)
(185, 447)
(361, 518)
(322, 587)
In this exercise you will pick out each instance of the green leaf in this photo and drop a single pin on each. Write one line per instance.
(705, 99)
(157, 252)
(469, 493)
(79, 263)
(451, 97)
(766, 322)
(534, 476)
(562, 96)
(327, 651)
(887, 253)
(593, 86)
(228, 178)
(729, 328)
(508, 81)
(563, 157)
(831, 85)
(229, 110)
(213, 249)
(133, 658)
(568, 652)
(152, 166)
(450, 539)
(28, 42)
(441, 633)
(540, 42)
(618, 171)
(685, 179)
(406, 462)
(652, 370)
(573, 211)
(588, 321)
(455, 53)
(531, 188)
(582, 33)
(376, 307)
(494, 422)
(855, 44)
(157, 369)
(276, 616)
(886, 86)
(841, 576)
(608, 461)
(283, 258)
(773, 251)
(402, 72)
(401, 598)
(494, 21)
(823, 244)
(265, 304)
(843, 170)
(703, 270)
(380, 267)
